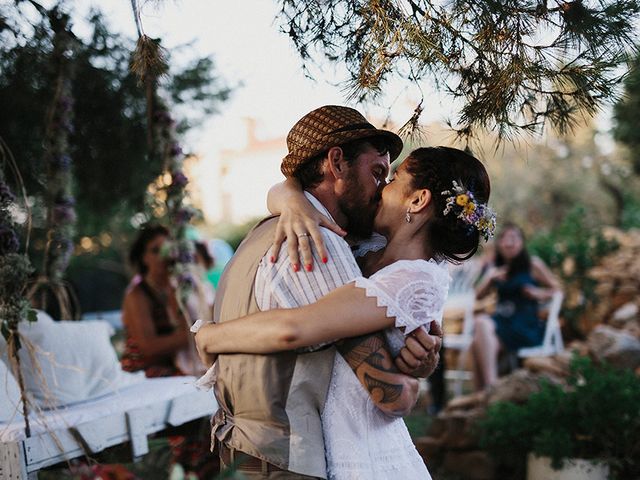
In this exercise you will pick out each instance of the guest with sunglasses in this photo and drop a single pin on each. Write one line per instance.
(155, 328)
(156, 333)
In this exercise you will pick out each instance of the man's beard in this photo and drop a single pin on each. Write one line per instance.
(360, 213)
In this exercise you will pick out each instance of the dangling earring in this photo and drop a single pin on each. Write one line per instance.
(408, 216)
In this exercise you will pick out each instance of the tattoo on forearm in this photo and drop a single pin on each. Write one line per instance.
(366, 348)
(369, 358)
(382, 392)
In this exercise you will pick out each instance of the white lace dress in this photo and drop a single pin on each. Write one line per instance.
(361, 442)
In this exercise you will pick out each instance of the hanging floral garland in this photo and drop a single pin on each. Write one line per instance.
(181, 250)
(149, 64)
(15, 270)
(61, 215)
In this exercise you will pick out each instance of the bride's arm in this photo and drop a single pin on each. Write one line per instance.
(298, 218)
(344, 312)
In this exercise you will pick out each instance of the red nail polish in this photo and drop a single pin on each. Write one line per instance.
(308, 268)
(296, 267)
(272, 259)
(325, 259)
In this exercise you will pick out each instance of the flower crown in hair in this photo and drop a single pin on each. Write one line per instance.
(462, 204)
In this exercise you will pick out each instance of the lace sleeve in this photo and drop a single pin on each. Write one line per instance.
(413, 291)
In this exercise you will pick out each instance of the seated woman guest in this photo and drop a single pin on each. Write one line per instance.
(155, 328)
(521, 282)
(157, 335)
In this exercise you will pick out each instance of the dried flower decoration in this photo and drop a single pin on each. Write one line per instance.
(461, 202)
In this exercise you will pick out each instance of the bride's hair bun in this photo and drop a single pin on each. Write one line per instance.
(436, 168)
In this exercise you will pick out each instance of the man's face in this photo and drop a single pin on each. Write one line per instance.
(363, 185)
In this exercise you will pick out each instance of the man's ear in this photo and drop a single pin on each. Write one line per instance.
(420, 200)
(336, 162)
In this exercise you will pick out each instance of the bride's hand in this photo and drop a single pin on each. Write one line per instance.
(300, 223)
(421, 354)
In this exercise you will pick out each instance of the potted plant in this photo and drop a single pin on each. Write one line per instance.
(592, 424)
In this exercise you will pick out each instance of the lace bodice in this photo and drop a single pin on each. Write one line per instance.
(361, 441)
(413, 291)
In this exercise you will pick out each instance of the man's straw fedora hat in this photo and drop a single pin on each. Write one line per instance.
(327, 127)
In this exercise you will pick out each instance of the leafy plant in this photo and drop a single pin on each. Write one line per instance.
(596, 416)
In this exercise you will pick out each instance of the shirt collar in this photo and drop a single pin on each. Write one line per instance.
(318, 205)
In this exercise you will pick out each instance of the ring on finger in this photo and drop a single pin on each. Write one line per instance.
(300, 235)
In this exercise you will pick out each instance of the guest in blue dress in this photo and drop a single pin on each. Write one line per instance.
(521, 283)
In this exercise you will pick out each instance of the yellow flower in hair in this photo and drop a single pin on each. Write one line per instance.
(462, 199)
(469, 208)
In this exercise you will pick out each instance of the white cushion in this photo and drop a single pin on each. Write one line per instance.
(75, 361)
(10, 404)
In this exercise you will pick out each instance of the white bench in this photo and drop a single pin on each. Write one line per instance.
(90, 427)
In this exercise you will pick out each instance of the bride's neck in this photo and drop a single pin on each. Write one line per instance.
(399, 248)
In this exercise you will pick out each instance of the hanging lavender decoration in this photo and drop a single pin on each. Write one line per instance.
(15, 270)
(178, 211)
(149, 64)
(61, 214)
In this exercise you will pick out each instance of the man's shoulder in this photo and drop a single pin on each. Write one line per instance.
(334, 240)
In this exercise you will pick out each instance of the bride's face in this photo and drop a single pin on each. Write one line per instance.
(395, 201)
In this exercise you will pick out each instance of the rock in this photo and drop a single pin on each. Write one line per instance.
(553, 365)
(616, 347)
(627, 312)
(632, 328)
(473, 465)
(438, 426)
(467, 402)
(460, 428)
(518, 386)
(429, 448)
(578, 347)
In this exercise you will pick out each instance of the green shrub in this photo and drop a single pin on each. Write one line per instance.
(597, 416)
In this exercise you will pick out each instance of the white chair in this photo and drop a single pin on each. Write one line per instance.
(552, 343)
(461, 297)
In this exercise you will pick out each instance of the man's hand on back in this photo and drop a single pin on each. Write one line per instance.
(421, 353)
